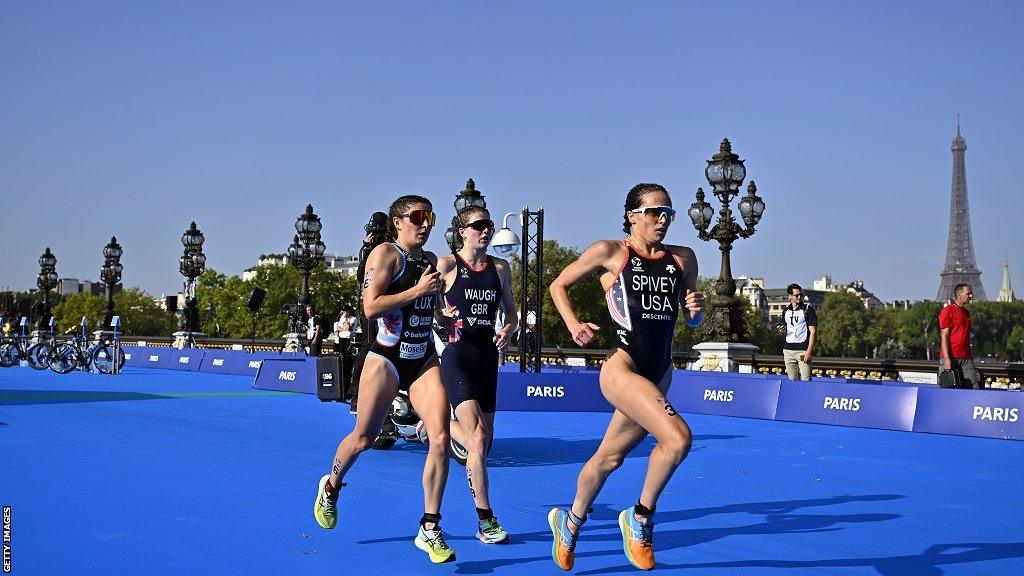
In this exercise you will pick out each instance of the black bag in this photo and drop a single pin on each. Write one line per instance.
(949, 378)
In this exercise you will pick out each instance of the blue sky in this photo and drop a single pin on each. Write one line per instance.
(134, 118)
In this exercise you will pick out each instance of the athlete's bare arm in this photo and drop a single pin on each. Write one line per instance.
(381, 266)
(446, 268)
(508, 304)
(602, 257)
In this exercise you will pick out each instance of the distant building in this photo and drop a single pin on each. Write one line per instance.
(752, 289)
(345, 265)
(67, 286)
(1006, 292)
(870, 301)
(778, 300)
(898, 304)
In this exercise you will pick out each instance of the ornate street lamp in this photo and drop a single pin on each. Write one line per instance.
(46, 281)
(110, 274)
(725, 173)
(306, 250)
(469, 196)
(191, 264)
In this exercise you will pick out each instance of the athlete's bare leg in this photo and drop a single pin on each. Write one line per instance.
(430, 400)
(640, 408)
(474, 433)
(377, 388)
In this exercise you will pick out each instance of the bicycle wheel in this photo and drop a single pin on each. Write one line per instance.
(8, 355)
(103, 358)
(64, 359)
(39, 355)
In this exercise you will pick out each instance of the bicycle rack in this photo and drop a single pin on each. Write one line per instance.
(115, 323)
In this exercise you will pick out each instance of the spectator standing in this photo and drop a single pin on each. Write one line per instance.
(801, 325)
(314, 331)
(955, 340)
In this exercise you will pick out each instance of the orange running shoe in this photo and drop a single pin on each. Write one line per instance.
(637, 539)
(564, 541)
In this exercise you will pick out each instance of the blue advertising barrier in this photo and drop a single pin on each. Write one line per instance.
(151, 357)
(987, 413)
(287, 374)
(220, 361)
(548, 392)
(861, 405)
(188, 359)
(248, 364)
(746, 395)
(133, 356)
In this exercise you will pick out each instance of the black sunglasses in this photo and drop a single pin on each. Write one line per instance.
(481, 225)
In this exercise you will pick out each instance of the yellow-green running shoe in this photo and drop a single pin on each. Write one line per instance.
(325, 509)
(432, 542)
(491, 532)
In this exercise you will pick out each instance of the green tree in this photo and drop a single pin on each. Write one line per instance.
(919, 329)
(70, 311)
(842, 322)
(140, 315)
(1014, 344)
(883, 327)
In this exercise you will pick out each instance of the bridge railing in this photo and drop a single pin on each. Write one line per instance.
(997, 374)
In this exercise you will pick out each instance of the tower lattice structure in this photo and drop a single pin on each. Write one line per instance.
(961, 267)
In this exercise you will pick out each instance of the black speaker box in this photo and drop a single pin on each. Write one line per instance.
(332, 377)
(172, 304)
(256, 299)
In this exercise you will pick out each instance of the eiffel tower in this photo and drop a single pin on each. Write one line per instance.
(960, 264)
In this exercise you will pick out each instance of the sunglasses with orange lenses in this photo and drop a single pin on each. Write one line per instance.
(418, 217)
(654, 213)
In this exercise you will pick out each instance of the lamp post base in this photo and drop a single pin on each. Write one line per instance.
(294, 343)
(723, 357)
(183, 339)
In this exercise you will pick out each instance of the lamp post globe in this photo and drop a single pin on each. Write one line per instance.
(110, 274)
(468, 196)
(725, 173)
(306, 252)
(191, 264)
(46, 281)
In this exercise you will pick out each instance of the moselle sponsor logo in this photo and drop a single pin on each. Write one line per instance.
(287, 375)
(545, 391)
(995, 414)
(846, 404)
(255, 363)
(184, 359)
(154, 357)
(7, 539)
(412, 351)
(718, 395)
(218, 361)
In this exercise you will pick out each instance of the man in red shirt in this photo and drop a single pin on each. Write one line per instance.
(955, 344)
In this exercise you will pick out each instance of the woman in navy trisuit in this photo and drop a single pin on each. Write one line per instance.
(647, 285)
(475, 287)
(399, 289)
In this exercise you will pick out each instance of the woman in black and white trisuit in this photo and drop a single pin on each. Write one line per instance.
(648, 285)
(399, 289)
(475, 287)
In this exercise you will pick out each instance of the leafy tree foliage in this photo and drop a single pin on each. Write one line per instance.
(842, 324)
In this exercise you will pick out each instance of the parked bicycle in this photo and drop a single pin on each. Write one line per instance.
(15, 349)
